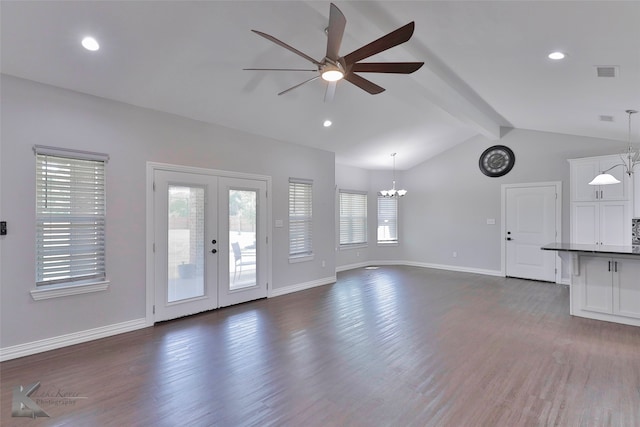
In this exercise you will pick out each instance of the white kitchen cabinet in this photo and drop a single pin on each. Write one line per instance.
(585, 169)
(600, 215)
(597, 281)
(609, 285)
(626, 288)
(601, 223)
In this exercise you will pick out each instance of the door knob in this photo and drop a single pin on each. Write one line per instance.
(509, 238)
(213, 251)
(214, 241)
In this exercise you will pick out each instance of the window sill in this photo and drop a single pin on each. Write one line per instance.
(58, 291)
(356, 246)
(387, 243)
(304, 258)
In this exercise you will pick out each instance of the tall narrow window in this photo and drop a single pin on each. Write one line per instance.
(387, 219)
(70, 216)
(300, 218)
(353, 218)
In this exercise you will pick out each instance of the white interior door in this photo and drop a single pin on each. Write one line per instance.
(530, 223)
(243, 217)
(186, 225)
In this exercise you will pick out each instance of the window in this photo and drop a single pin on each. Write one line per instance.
(353, 218)
(387, 220)
(70, 216)
(300, 218)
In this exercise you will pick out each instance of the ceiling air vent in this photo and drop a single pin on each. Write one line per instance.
(607, 70)
(606, 118)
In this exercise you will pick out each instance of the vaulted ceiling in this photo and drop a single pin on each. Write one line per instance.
(486, 67)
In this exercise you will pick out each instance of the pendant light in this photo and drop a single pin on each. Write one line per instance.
(393, 192)
(629, 160)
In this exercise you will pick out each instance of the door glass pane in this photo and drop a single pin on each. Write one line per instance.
(242, 238)
(186, 243)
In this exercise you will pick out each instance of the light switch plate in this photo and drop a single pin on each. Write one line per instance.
(491, 221)
(279, 223)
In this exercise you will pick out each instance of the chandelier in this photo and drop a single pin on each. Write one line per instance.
(629, 160)
(393, 192)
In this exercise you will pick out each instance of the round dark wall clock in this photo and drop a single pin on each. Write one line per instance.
(496, 161)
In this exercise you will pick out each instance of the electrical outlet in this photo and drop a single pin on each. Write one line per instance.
(455, 254)
(324, 264)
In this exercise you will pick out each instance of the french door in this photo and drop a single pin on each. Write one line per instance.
(210, 242)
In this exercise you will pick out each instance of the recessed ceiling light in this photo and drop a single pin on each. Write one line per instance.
(556, 55)
(90, 43)
(327, 123)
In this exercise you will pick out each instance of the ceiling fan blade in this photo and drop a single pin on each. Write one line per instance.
(330, 92)
(276, 69)
(335, 31)
(392, 39)
(363, 83)
(286, 46)
(298, 85)
(386, 67)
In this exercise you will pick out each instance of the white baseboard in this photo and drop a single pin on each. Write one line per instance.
(353, 266)
(423, 265)
(47, 344)
(454, 268)
(301, 286)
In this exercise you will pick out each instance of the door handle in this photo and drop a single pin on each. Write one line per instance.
(214, 241)
(213, 251)
(508, 238)
(609, 265)
(615, 266)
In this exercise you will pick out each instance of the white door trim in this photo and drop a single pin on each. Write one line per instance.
(151, 167)
(503, 211)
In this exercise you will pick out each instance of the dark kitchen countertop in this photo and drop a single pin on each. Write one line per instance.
(596, 249)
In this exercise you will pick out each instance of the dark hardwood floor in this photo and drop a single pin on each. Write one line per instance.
(397, 346)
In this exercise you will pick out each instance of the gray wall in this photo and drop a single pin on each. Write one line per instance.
(352, 178)
(450, 200)
(33, 113)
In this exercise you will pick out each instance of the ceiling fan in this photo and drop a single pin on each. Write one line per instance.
(334, 67)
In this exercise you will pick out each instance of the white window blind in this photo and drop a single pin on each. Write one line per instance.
(387, 220)
(300, 217)
(70, 216)
(353, 218)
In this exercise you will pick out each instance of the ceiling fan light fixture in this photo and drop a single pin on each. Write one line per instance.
(332, 74)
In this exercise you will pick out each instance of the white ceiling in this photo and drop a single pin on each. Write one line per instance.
(486, 67)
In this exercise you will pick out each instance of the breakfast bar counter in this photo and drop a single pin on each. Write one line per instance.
(594, 249)
(605, 281)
